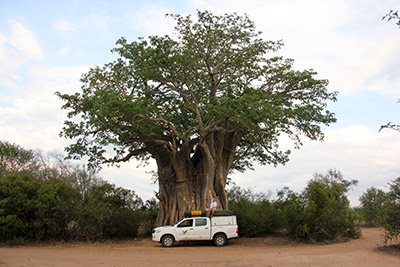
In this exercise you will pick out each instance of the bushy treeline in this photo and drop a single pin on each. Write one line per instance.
(381, 208)
(43, 198)
(53, 199)
(321, 212)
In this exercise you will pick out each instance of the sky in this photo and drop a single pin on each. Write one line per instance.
(45, 46)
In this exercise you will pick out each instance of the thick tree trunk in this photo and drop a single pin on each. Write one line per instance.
(186, 177)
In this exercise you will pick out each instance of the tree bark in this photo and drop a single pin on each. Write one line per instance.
(187, 175)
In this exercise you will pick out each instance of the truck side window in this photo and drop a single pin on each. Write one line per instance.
(187, 223)
(201, 222)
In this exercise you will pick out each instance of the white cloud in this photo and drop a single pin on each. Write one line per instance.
(133, 176)
(16, 50)
(97, 21)
(14, 60)
(3, 39)
(34, 117)
(66, 26)
(152, 20)
(75, 3)
(25, 41)
(63, 51)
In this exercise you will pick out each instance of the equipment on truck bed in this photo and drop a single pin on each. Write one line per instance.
(203, 213)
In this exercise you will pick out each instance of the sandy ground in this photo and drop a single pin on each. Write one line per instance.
(147, 253)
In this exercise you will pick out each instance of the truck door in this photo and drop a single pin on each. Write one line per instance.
(201, 229)
(184, 230)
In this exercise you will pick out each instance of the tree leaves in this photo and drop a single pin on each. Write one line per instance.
(214, 76)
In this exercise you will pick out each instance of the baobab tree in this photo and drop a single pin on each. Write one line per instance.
(211, 100)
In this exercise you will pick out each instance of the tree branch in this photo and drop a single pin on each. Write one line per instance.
(127, 157)
(169, 124)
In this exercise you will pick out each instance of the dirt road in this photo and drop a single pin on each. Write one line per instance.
(147, 253)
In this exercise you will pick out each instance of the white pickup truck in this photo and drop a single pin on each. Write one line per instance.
(218, 229)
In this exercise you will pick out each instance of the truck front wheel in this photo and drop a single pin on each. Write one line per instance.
(167, 241)
(220, 240)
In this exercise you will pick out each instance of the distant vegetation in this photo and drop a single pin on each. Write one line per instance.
(42, 199)
(51, 199)
(320, 213)
(383, 209)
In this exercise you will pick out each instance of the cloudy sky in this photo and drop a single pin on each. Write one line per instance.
(45, 46)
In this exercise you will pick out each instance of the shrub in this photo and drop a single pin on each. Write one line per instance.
(256, 218)
(14, 158)
(109, 212)
(256, 215)
(18, 206)
(148, 215)
(57, 207)
(372, 206)
(322, 212)
(392, 207)
(54, 199)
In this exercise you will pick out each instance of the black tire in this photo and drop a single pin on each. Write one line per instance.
(167, 241)
(220, 240)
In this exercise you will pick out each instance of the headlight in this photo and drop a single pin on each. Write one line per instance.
(156, 231)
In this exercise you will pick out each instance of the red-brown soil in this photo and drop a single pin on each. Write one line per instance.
(241, 252)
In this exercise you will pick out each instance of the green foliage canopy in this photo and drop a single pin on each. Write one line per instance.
(392, 208)
(14, 158)
(322, 211)
(215, 76)
(64, 201)
(373, 206)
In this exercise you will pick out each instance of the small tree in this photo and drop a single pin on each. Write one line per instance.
(148, 214)
(322, 211)
(373, 206)
(256, 214)
(18, 206)
(108, 211)
(14, 158)
(392, 207)
(57, 208)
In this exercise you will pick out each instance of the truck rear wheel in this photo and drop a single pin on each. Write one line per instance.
(167, 241)
(220, 240)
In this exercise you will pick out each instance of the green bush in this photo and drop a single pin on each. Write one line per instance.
(54, 209)
(373, 206)
(148, 215)
(57, 204)
(257, 218)
(18, 206)
(292, 207)
(11, 227)
(124, 223)
(14, 158)
(392, 208)
(42, 200)
(322, 212)
(256, 215)
(109, 212)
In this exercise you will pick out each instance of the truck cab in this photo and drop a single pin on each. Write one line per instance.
(218, 229)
